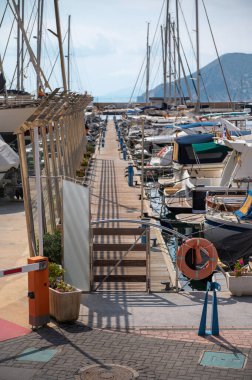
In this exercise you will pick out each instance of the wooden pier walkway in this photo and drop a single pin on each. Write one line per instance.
(112, 198)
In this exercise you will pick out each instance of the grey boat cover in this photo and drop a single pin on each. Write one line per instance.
(8, 157)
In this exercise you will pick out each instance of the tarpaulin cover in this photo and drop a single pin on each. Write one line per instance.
(195, 139)
(234, 247)
(8, 158)
(210, 147)
(199, 124)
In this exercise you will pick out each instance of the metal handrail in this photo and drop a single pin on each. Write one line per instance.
(141, 221)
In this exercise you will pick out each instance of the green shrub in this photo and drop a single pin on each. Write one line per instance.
(52, 247)
(84, 162)
(90, 148)
(56, 278)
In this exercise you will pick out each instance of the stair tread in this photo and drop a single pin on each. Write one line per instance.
(133, 271)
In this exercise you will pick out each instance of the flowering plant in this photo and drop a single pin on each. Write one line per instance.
(239, 268)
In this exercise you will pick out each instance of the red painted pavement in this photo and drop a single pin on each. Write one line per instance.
(9, 330)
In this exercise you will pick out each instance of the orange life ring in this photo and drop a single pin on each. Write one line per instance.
(197, 244)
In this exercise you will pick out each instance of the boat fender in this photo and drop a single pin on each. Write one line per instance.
(197, 244)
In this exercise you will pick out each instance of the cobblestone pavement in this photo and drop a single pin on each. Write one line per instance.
(154, 358)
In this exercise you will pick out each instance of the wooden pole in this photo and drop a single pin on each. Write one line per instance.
(27, 197)
(48, 180)
(62, 62)
(55, 171)
(68, 52)
(59, 150)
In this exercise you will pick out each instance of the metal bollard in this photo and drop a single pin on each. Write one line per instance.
(211, 286)
(130, 174)
(38, 292)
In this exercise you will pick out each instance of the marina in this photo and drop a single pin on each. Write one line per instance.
(125, 218)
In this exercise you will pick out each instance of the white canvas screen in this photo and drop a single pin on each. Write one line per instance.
(76, 235)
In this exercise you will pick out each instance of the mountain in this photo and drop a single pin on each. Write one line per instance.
(237, 68)
(122, 95)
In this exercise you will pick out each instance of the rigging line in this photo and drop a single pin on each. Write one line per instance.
(141, 84)
(224, 77)
(28, 25)
(79, 81)
(201, 77)
(156, 72)
(158, 23)
(52, 66)
(155, 55)
(188, 67)
(6, 6)
(131, 96)
(6, 47)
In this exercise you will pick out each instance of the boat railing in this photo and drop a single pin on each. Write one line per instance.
(16, 100)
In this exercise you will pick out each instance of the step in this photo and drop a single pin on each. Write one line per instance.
(125, 262)
(118, 255)
(110, 247)
(121, 278)
(120, 270)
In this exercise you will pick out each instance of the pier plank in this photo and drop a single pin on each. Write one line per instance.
(112, 198)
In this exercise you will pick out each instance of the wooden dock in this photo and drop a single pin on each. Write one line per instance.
(112, 198)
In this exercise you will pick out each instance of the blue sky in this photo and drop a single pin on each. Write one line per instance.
(109, 38)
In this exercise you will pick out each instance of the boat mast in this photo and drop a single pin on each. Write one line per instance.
(68, 53)
(165, 51)
(22, 51)
(169, 46)
(147, 65)
(178, 51)
(197, 107)
(174, 62)
(37, 68)
(39, 37)
(56, 8)
(18, 50)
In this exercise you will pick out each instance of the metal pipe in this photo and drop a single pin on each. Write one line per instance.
(142, 172)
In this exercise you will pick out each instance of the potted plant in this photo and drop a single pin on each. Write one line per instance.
(64, 299)
(240, 280)
(52, 246)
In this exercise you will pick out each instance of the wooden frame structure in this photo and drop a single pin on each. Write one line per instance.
(60, 122)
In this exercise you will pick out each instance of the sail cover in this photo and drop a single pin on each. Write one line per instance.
(8, 158)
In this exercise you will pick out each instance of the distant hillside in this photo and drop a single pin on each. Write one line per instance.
(122, 95)
(238, 72)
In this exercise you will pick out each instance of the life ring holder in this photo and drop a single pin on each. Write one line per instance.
(197, 244)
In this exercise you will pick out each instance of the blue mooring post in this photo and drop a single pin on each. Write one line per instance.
(124, 152)
(211, 286)
(130, 174)
(121, 143)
